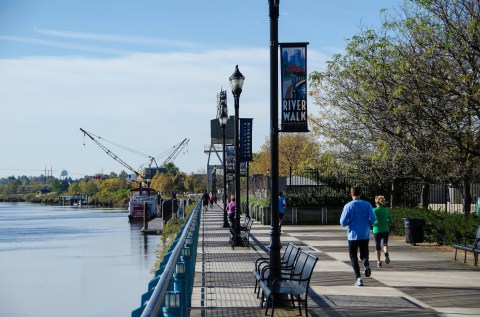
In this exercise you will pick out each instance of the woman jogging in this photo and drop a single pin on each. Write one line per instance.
(381, 229)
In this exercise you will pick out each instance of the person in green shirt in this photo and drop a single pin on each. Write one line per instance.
(381, 229)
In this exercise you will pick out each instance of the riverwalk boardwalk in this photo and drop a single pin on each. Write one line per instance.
(421, 280)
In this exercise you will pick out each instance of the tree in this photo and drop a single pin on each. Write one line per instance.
(172, 169)
(74, 189)
(299, 150)
(162, 182)
(404, 100)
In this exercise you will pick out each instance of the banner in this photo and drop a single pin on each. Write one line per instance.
(245, 139)
(230, 158)
(293, 61)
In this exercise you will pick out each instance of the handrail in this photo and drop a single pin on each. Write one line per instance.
(156, 301)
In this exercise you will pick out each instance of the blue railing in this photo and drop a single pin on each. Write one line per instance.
(170, 291)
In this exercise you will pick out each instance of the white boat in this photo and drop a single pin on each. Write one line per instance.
(141, 198)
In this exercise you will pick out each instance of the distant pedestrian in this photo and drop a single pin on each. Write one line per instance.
(358, 215)
(231, 207)
(205, 199)
(211, 199)
(381, 229)
(282, 202)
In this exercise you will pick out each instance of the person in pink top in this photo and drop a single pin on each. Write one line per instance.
(231, 211)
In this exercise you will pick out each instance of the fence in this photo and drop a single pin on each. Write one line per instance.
(333, 190)
(170, 291)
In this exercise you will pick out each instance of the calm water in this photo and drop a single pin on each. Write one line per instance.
(71, 261)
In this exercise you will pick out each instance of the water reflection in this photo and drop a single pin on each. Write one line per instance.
(71, 261)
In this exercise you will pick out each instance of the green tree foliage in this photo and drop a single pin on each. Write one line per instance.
(403, 102)
(172, 169)
(300, 150)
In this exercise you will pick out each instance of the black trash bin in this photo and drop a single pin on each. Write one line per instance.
(414, 230)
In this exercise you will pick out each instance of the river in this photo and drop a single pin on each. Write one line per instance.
(71, 261)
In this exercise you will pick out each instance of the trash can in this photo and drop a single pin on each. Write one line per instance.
(414, 230)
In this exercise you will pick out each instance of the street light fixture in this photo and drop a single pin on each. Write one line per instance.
(222, 115)
(236, 83)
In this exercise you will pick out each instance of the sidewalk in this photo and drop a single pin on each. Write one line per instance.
(421, 280)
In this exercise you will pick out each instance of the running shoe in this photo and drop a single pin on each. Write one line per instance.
(368, 272)
(359, 282)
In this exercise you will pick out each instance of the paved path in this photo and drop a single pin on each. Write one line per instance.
(421, 280)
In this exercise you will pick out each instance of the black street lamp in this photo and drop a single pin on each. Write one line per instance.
(236, 83)
(222, 115)
(275, 245)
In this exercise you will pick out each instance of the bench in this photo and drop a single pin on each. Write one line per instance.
(295, 284)
(244, 235)
(474, 247)
(287, 263)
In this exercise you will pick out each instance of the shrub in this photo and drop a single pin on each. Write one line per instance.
(441, 227)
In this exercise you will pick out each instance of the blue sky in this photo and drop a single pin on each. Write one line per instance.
(145, 74)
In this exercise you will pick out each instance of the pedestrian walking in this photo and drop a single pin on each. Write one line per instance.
(381, 229)
(231, 211)
(211, 199)
(205, 199)
(358, 215)
(282, 202)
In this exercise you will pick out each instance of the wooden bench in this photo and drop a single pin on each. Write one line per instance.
(287, 262)
(244, 235)
(295, 285)
(466, 247)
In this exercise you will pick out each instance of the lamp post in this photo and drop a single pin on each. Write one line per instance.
(236, 83)
(275, 246)
(222, 115)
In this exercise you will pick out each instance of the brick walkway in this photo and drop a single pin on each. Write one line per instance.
(421, 280)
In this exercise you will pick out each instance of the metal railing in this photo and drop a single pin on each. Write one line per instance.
(170, 291)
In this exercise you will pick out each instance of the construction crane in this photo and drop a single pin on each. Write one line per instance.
(172, 154)
(113, 155)
(176, 150)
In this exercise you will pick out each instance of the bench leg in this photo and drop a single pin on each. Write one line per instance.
(273, 306)
(456, 253)
(465, 257)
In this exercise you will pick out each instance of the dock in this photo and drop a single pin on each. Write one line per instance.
(155, 226)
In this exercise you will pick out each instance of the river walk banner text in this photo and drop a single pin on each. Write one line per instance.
(294, 86)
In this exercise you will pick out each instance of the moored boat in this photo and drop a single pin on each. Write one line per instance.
(140, 199)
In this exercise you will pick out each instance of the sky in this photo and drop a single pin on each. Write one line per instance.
(144, 75)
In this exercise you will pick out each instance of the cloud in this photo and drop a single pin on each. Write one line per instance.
(65, 45)
(147, 102)
(128, 39)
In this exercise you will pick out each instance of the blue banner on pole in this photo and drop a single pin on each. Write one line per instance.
(246, 139)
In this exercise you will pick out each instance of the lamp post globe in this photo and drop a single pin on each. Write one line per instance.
(236, 83)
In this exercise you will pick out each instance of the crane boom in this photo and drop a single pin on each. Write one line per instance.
(115, 157)
(176, 151)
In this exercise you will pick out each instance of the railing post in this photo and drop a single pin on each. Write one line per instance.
(179, 285)
(172, 304)
(185, 258)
